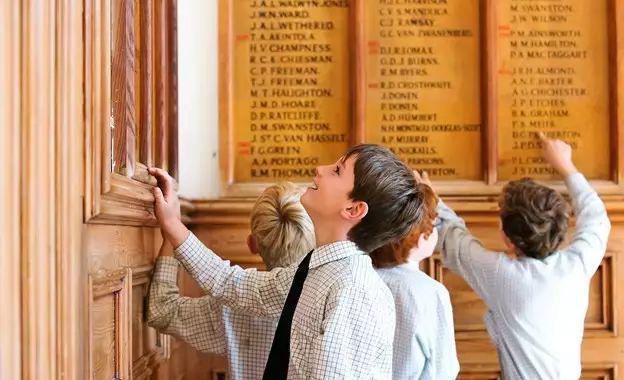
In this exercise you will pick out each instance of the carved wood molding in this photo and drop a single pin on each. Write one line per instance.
(130, 107)
(118, 285)
(593, 371)
(109, 197)
(599, 371)
(480, 372)
(144, 366)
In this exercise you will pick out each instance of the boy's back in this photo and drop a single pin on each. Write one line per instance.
(424, 343)
(536, 307)
(536, 316)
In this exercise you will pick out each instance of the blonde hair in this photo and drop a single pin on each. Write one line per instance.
(283, 230)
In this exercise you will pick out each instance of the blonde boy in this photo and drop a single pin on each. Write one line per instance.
(282, 233)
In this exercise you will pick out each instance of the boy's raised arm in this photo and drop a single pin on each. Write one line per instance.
(247, 291)
(589, 242)
(461, 251)
(197, 321)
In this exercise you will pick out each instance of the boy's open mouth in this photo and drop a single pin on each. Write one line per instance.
(314, 186)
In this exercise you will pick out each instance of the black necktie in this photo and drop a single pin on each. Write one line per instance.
(277, 364)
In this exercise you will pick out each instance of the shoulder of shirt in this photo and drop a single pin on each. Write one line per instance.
(413, 282)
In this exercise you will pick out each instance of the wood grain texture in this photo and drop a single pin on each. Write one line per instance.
(10, 177)
(123, 96)
(38, 190)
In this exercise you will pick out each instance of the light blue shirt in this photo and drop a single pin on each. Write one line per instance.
(424, 340)
(536, 308)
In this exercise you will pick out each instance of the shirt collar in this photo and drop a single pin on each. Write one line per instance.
(333, 251)
(414, 265)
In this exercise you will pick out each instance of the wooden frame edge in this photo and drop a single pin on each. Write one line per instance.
(119, 284)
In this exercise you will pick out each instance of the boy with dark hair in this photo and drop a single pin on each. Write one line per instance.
(336, 315)
(537, 296)
(424, 339)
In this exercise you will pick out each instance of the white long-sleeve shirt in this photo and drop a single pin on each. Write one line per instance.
(207, 326)
(424, 339)
(343, 327)
(536, 308)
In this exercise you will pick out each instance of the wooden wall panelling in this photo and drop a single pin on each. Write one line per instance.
(489, 77)
(618, 71)
(599, 371)
(149, 347)
(70, 261)
(10, 244)
(357, 30)
(38, 190)
(162, 77)
(109, 196)
(147, 88)
(480, 372)
(226, 101)
(616, 89)
(123, 121)
(110, 338)
(172, 125)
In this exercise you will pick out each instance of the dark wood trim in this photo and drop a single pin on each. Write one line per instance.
(489, 89)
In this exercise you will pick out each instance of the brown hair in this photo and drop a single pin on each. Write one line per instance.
(388, 186)
(395, 253)
(283, 230)
(534, 217)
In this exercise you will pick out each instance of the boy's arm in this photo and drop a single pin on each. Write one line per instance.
(592, 223)
(464, 254)
(197, 321)
(246, 291)
(590, 237)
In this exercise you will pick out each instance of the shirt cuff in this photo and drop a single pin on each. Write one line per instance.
(166, 270)
(577, 184)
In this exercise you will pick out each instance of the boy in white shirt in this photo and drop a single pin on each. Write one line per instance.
(424, 339)
(336, 315)
(537, 295)
(281, 233)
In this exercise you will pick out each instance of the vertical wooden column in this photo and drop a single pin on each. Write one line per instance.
(172, 38)
(162, 71)
(69, 265)
(616, 67)
(358, 72)
(489, 76)
(38, 191)
(10, 247)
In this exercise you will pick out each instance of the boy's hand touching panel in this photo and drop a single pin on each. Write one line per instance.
(558, 154)
(167, 208)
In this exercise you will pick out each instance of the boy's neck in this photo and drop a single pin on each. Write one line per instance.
(327, 233)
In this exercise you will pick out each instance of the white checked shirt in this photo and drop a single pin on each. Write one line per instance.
(207, 326)
(536, 307)
(424, 340)
(343, 326)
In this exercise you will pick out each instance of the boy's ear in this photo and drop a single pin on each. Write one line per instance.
(252, 244)
(355, 211)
